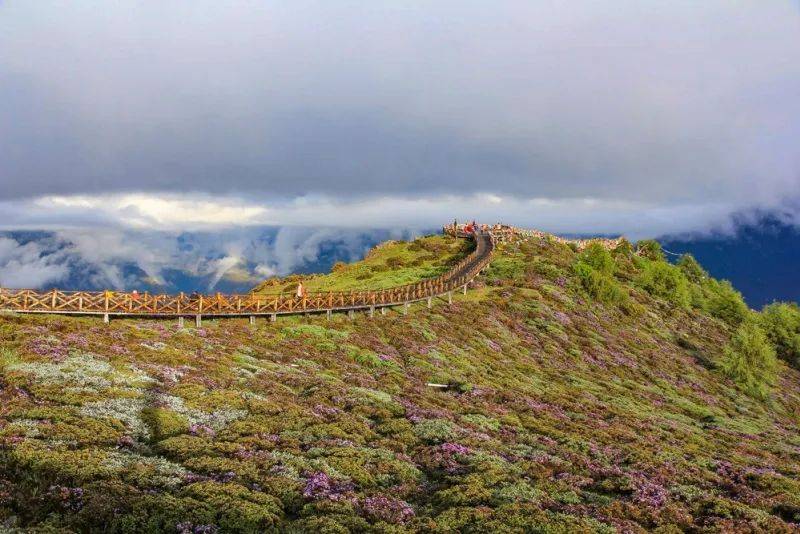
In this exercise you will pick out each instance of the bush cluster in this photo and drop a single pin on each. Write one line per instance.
(781, 322)
(666, 281)
(749, 359)
(595, 269)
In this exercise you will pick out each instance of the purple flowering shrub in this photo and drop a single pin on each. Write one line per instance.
(388, 509)
(558, 413)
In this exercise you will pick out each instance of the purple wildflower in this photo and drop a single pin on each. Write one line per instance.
(225, 477)
(69, 498)
(387, 509)
(118, 349)
(187, 527)
(562, 318)
(648, 492)
(454, 448)
(77, 340)
(197, 429)
(320, 486)
(125, 442)
(50, 348)
(326, 412)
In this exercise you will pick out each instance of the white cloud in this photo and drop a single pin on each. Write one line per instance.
(29, 265)
(158, 211)
(184, 214)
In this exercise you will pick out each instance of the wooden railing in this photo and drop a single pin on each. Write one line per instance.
(109, 303)
(503, 232)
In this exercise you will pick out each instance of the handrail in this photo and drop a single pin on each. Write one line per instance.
(129, 304)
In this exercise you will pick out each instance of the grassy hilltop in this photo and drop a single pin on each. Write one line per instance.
(586, 392)
(393, 263)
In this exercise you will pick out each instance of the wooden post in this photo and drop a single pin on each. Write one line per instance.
(180, 322)
(430, 302)
(198, 320)
(372, 311)
(273, 317)
(465, 289)
(351, 314)
(252, 319)
(449, 297)
(383, 310)
(106, 318)
(405, 308)
(329, 314)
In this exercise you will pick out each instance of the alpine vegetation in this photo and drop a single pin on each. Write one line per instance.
(592, 390)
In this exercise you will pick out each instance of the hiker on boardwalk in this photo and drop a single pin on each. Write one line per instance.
(301, 291)
(135, 295)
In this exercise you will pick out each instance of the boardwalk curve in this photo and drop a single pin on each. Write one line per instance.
(109, 304)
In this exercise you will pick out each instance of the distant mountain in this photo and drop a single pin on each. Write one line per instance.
(761, 260)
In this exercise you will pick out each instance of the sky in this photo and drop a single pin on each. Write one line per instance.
(140, 121)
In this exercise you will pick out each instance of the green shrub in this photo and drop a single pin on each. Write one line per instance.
(624, 249)
(692, 269)
(650, 249)
(435, 431)
(666, 281)
(601, 287)
(599, 258)
(750, 361)
(781, 323)
(507, 268)
(164, 423)
(394, 262)
(724, 302)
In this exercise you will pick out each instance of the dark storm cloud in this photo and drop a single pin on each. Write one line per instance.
(660, 103)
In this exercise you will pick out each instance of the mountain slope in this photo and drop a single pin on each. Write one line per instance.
(561, 413)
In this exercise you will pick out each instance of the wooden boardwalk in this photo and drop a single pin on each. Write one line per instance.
(116, 304)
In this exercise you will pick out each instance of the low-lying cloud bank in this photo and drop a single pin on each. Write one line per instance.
(186, 242)
(228, 260)
(193, 213)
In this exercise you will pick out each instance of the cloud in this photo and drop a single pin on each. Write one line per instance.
(128, 258)
(29, 265)
(300, 219)
(669, 106)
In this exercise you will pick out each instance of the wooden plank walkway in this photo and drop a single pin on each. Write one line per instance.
(117, 304)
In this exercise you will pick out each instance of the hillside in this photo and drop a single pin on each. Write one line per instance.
(585, 392)
(393, 263)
